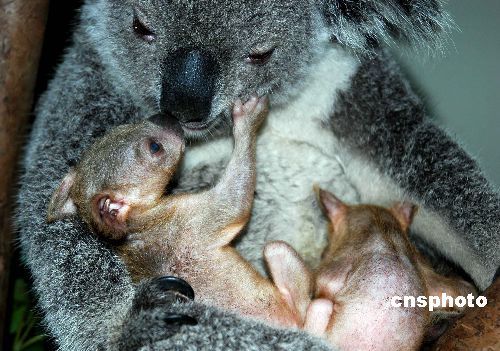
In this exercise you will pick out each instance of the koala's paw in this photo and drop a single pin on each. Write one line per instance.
(153, 315)
(252, 112)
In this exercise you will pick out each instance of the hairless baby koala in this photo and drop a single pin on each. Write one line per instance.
(118, 188)
(368, 261)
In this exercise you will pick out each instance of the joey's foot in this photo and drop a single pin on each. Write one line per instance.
(252, 112)
(318, 317)
(154, 314)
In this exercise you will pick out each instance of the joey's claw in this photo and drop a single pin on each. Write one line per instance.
(254, 109)
(180, 319)
(250, 105)
(238, 109)
(177, 285)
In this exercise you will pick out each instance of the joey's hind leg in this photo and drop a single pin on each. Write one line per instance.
(295, 284)
(290, 275)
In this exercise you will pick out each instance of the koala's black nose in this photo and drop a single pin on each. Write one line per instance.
(189, 85)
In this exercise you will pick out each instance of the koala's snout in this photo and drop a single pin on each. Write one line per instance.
(189, 86)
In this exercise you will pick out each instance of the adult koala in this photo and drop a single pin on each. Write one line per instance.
(341, 115)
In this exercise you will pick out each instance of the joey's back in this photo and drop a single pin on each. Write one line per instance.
(368, 261)
(368, 269)
(369, 257)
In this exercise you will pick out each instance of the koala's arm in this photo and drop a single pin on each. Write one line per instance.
(84, 292)
(82, 288)
(395, 150)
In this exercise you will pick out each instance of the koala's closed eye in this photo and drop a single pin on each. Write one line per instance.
(141, 30)
(259, 57)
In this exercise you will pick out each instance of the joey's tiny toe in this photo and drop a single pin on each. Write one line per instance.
(238, 108)
(177, 285)
(250, 105)
(180, 319)
(263, 103)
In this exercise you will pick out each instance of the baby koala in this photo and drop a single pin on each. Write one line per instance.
(118, 189)
(368, 261)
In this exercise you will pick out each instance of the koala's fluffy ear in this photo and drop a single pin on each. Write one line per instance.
(61, 205)
(363, 24)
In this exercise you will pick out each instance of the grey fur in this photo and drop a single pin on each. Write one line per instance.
(109, 77)
(363, 25)
(411, 150)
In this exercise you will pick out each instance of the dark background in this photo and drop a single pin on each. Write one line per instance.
(61, 19)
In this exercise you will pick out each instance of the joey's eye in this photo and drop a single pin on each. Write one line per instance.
(141, 31)
(155, 147)
(259, 57)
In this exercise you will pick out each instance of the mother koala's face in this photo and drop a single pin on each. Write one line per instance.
(193, 58)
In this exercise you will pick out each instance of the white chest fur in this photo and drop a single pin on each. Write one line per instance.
(295, 150)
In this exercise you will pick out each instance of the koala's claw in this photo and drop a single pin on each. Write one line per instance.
(180, 319)
(177, 285)
(154, 314)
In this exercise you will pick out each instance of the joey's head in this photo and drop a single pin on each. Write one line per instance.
(193, 59)
(126, 170)
(352, 224)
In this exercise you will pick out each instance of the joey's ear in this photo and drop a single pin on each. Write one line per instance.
(61, 204)
(290, 275)
(334, 208)
(404, 213)
(110, 213)
(363, 24)
(438, 284)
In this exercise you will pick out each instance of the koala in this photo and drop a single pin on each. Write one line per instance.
(341, 115)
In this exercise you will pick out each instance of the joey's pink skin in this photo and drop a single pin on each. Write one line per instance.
(369, 259)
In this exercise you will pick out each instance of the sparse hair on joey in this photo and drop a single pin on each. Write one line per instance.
(369, 258)
(126, 170)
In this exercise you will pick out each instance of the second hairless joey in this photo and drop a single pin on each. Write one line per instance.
(368, 261)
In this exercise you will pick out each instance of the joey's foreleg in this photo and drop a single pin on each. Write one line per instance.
(227, 206)
(231, 198)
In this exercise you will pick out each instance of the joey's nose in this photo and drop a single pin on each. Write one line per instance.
(189, 86)
(168, 123)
